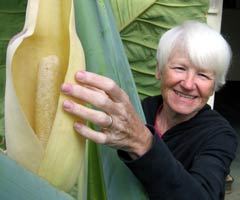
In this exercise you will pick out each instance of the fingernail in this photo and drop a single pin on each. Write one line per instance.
(77, 125)
(80, 75)
(67, 104)
(66, 87)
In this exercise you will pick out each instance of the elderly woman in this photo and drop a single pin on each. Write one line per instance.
(185, 150)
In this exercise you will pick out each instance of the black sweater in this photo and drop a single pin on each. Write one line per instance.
(190, 161)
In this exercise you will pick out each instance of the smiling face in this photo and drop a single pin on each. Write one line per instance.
(184, 87)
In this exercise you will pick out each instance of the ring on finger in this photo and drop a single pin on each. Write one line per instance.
(110, 124)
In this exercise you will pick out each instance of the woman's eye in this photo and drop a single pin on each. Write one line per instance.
(179, 68)
(204, 76)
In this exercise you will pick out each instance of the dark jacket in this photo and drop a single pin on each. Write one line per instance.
(190, 161)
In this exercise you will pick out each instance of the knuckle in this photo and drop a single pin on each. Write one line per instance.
(124, 110)
(100, 139)
(102, 118)
(102, 101)
(111, 85)
(125, 97)
(76, 109)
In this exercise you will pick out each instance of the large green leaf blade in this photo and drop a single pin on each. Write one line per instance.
(117, 175)
(18, 183)
(105, 55)
(142, 27)
(126, 11)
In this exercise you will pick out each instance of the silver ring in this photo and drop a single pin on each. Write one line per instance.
(110, 124)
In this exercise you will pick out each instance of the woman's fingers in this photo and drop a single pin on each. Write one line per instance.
(91, 134)
(104, 137)
(89, 95)
(121, 126)
(103, 83)
(97, 117)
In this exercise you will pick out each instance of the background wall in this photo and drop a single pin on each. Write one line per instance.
(214, 19)
(231, 30)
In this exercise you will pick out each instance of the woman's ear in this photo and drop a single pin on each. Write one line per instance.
(157, 73)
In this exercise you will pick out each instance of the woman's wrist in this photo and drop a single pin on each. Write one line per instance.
(144, 144)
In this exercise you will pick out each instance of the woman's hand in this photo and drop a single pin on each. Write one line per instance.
(121, 127)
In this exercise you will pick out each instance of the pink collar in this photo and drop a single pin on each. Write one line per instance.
(155, 122)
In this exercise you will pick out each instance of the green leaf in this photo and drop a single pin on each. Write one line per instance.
(105, 55)
(12, 15)
(141, 24)
(96, 185)
(18, 183)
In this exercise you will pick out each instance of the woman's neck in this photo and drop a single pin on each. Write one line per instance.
(167, 118)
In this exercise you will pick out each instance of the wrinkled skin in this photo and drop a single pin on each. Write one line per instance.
(126, 132)
(185, 89)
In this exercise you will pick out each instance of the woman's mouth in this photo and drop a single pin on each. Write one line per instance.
(185, 95)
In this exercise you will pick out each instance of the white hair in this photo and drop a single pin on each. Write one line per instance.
(206, 48)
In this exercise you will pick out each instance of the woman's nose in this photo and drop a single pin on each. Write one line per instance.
(188, 82)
